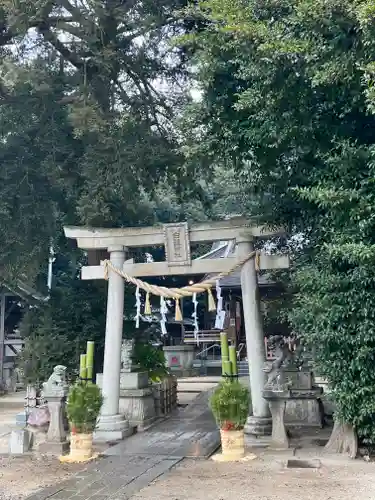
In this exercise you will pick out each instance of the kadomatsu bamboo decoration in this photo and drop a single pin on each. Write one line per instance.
(230, 405)
(90, 360)
(83, 407)
(224, 350)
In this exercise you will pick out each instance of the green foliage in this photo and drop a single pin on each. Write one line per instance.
(83, 407)
(336, 316)
(150, 359)
(230, 405)
(82, 143)
(44, 351)
(56, 332)
(37, 153)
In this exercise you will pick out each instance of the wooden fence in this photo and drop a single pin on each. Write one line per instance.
(165, 395)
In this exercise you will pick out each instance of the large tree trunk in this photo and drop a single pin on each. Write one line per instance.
(343, 440)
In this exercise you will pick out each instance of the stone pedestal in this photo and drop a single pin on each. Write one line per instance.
(180, 359)
(139, 407)
(278, 400)
(279, 435)
(10, 378)
(298, 379)
(304, 408)
(133, 380)
(136, 401)
(56, 442)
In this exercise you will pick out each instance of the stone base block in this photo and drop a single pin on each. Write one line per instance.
(258, 426)
(112, 428)
(253, 441)
(184, 373)
(128, 380)
(38, 436)
(10, 378)
(139, 407)
(107, 436)
(21, 419)
(304, 412)
(133, 380)
(53, 448)
(299, 379)
(19, 442)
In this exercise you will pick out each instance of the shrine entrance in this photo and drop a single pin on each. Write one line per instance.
(176, 240)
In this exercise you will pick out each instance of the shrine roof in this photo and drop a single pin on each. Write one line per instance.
(223, 249)
(24, 291)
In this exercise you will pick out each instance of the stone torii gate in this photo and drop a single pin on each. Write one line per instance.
(177, 238)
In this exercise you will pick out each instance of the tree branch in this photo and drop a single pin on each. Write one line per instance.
(6, 37)
(50, 37)
(72, 30)
(78, 16)
(53, 20)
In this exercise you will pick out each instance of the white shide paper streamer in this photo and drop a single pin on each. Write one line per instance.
(220, 313)
(138, 306)
(195, 317)
(163, 313)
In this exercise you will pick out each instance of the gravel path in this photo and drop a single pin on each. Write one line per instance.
(265, 478)
(22, 476)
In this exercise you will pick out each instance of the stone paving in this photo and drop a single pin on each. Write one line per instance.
(110, 478)
(192, 432)
(134, 463)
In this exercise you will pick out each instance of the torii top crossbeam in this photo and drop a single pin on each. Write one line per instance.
(100, 239)
(177, 239)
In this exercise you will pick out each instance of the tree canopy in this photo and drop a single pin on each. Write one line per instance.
(116, 50)
(88, 92)
(288, 100)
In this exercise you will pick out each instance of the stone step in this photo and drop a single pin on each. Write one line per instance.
(189, 388)
(14, 400)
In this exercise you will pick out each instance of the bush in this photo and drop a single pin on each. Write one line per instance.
(42, 352)
(56, 332)
(230, 404)
(83, 406)
(335, 314)
(150, 359)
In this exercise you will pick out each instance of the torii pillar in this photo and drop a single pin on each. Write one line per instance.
(259, 422)
(112, 426)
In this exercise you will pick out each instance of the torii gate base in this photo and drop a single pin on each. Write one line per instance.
(176, 238)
